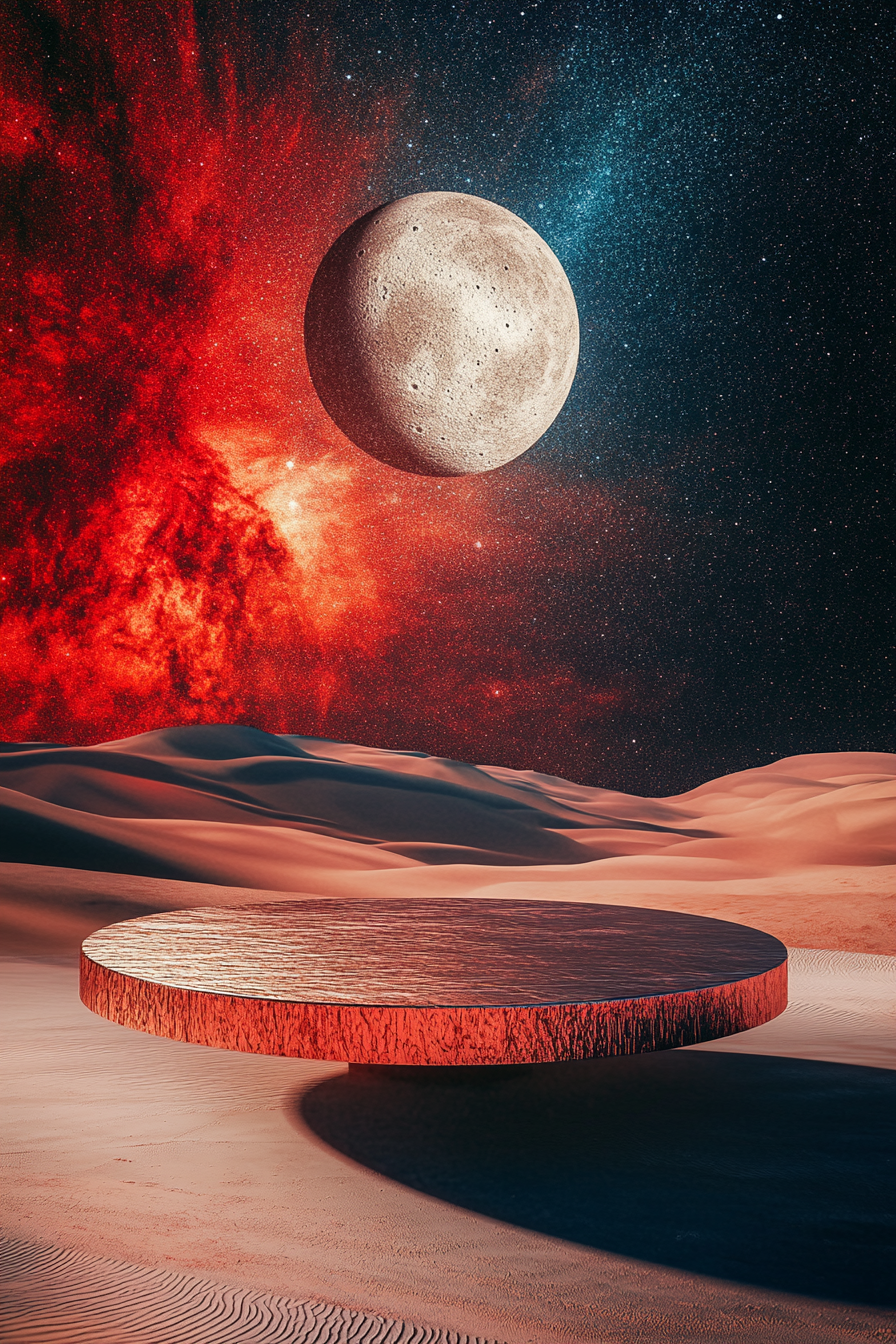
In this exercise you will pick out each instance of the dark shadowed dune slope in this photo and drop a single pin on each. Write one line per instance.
(233, 805)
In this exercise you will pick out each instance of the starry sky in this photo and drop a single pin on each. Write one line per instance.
(691, 573)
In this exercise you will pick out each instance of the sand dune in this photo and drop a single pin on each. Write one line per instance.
(805, 846)
(733, 1190)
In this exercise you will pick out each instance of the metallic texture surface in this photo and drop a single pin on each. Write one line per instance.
(439, 982)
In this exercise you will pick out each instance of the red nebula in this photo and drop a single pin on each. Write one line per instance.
(188, 537)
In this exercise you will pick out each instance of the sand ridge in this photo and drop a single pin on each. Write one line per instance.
(804, 848)
(56, 1296)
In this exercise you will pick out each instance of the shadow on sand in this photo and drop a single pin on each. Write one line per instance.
(762, 1170)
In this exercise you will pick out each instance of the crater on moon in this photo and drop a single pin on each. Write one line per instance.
(441, 334)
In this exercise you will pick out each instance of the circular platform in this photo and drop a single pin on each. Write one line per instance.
(454, 981)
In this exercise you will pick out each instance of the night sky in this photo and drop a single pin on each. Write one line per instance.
(691, 573)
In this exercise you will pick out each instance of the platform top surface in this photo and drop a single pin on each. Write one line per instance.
(446, 952)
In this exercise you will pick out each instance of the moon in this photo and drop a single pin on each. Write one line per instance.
(441, 334)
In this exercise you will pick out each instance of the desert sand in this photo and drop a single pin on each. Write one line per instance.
(163, 1192)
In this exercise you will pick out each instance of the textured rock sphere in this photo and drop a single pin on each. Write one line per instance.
(442, 334)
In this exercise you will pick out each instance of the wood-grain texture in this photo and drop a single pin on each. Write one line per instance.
(444, 982)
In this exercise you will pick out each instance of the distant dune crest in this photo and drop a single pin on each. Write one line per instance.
(233, 805)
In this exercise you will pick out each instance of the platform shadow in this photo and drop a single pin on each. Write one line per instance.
(762, 1170)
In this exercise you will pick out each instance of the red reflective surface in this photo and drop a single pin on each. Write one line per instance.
(436, 982)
